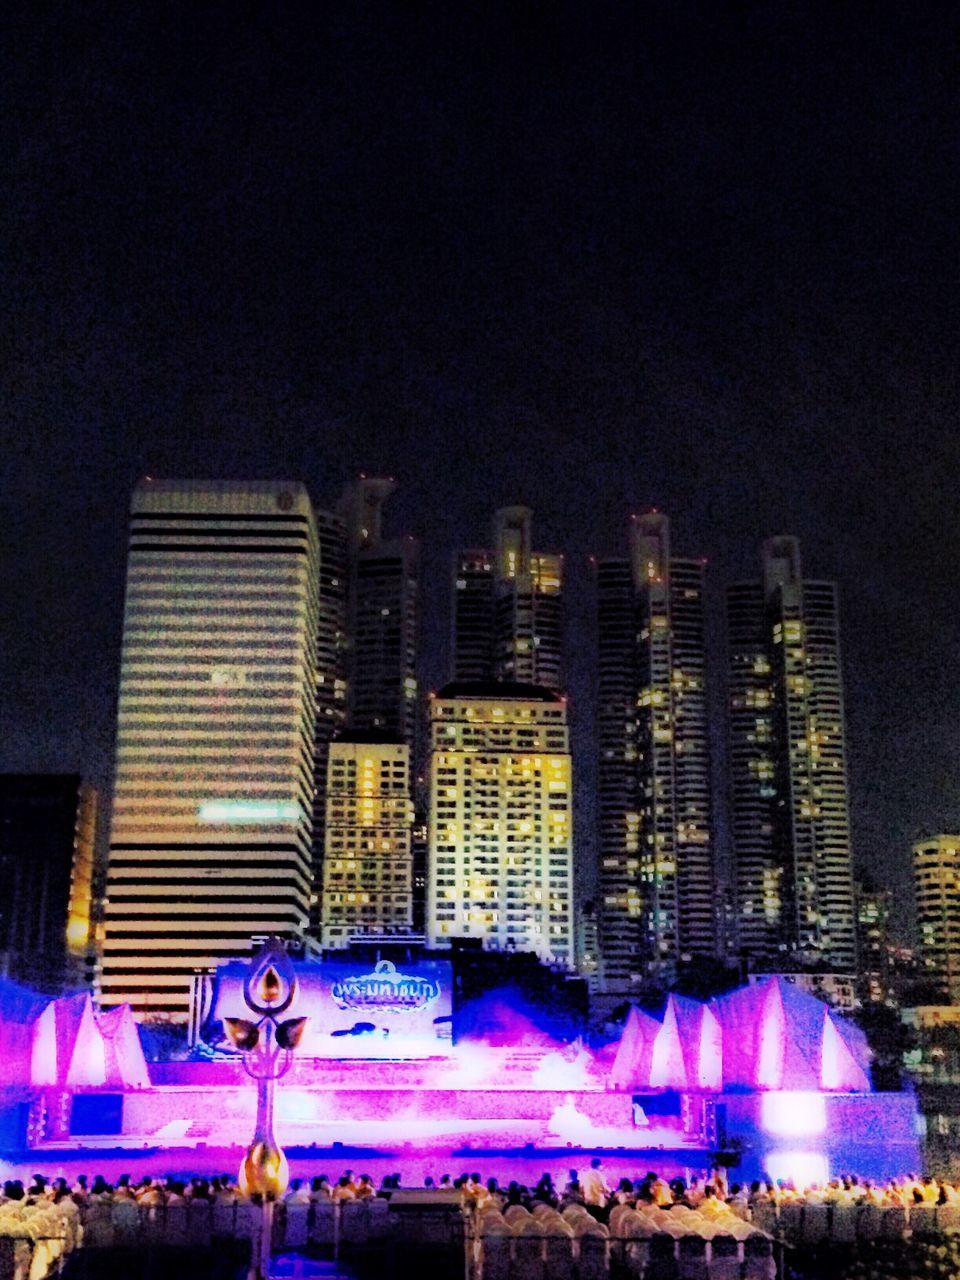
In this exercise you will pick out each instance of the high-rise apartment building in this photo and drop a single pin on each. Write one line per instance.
(474, 604)
(211, 835)
(331, 679)
(500, 831)
(508, 608)
(936, 876)
(790, 823)
(658, 885)
(382, 617)
(47, 851)
(368, 868)
(383, 641)
(874, 942)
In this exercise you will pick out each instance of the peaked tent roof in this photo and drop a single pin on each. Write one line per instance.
(125, 1061)
(773, 1038)
(631, 1065)
(73, 1046)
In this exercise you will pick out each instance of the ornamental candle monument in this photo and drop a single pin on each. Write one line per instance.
(267, 1045)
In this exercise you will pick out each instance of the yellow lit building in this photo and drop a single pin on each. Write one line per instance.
(501, 819)
(81, 937)
(368, 866)
(936, 875)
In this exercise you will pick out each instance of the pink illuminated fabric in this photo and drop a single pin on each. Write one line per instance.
(631, 1066)
(667, 1067)
(43, 1054)
(125, 1063)
(87, 1063)
(773, 1036)
(710, 1051)
(839, 1069)
(773, 1033)
(73, 1046)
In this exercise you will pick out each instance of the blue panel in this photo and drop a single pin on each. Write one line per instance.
(97, 1113)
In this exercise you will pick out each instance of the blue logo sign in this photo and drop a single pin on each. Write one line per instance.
(385, 990)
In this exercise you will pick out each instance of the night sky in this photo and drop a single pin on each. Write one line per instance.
(593, 258)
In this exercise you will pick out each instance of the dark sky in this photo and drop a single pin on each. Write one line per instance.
(702, 256)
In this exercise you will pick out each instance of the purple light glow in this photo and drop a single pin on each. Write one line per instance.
(783, 1065)
(793, 1114)
(803, 1167)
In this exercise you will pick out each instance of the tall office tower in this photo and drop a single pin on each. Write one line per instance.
(47, 837)
(659, 893)
(501, 820)
(382, 611)
(474, 599)
(528, 629)
(874, 944)
(791, 831)
(368, 869)
(936, 875)
(212, 813)
(508, 608)
(331, 680)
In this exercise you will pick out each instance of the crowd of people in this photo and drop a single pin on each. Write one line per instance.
(713, 1192)
(148, 1191)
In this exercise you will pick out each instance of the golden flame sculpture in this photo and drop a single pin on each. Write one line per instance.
(267, 1046)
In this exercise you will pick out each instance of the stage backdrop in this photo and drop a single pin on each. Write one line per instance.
(355, 1009)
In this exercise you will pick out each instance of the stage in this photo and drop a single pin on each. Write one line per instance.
(767, 1078)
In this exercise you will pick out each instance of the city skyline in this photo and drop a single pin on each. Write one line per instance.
(217, 606)
(690, 256)
(586, 742)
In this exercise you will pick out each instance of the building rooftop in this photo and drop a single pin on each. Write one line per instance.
(498, 689)
(369, 737)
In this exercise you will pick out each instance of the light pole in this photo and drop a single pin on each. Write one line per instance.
(267, 1046)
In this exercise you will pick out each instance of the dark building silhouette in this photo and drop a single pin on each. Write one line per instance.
(508, 608)
(47, 834)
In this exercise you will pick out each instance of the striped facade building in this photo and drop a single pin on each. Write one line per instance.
(212, 812)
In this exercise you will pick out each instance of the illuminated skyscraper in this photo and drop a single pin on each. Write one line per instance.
(936, 876)
(47, 836)
(368, 869)
(791, 831)
(874, 942)
(331, 679)
(501, 854)
(658, 883)
(508, 608)
(383, 617)
(213, 798)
